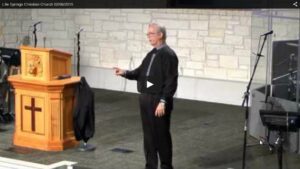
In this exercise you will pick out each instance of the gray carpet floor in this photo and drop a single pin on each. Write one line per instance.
(205, 136)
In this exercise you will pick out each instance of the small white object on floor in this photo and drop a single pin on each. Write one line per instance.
(8, 163)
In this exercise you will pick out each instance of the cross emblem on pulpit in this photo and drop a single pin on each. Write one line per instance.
(33, 109)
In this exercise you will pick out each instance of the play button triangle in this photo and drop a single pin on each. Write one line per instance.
(149, 84)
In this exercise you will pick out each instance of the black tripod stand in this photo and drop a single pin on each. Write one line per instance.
(78, 51)
(279, 143)
(246, 97)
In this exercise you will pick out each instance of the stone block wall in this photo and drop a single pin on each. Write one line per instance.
(210, 43)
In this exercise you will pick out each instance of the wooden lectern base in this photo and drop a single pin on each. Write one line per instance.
(44, 113)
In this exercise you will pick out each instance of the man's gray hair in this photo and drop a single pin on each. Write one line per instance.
(160, 29)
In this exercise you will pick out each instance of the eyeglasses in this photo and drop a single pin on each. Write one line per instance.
(151, 34)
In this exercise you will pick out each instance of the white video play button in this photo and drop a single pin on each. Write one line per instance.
(149, 84)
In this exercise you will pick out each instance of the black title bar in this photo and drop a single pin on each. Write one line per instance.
(150, 4)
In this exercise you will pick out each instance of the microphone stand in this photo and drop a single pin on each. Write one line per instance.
(246, 100)
(84, 146)
(291, 86)
(78, 53)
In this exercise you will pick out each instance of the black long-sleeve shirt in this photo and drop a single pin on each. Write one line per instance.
(162, 73)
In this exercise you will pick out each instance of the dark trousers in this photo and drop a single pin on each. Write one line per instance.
(157, 136)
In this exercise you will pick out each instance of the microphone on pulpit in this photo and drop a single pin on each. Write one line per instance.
(34, 32)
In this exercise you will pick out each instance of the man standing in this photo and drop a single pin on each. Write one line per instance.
(157, 82)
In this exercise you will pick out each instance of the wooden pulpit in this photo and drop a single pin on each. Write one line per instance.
(43, 101)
